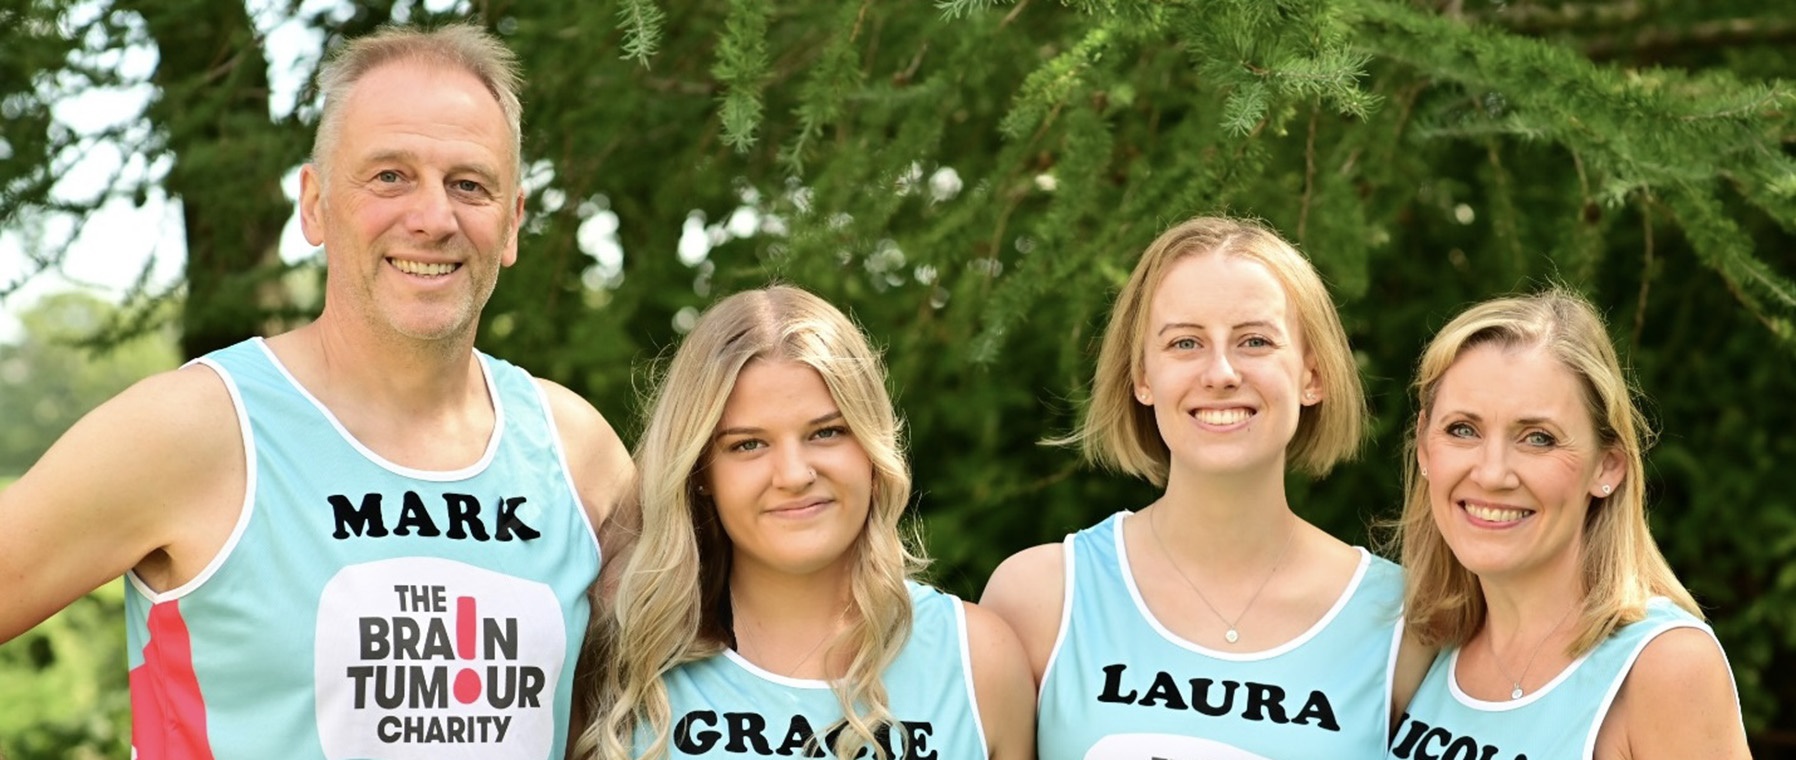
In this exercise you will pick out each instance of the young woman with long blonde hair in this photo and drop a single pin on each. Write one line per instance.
(767, 607)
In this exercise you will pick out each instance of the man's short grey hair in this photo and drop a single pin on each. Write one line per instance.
(459, 45)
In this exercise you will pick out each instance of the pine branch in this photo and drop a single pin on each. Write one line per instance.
(742, 68)
(954, 10)
(1723, 246)
(1057, 82)
(1658, 41)
(641, 22)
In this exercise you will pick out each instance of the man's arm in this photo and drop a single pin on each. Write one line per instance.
(152, 479)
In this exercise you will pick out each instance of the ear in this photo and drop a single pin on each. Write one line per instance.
(1312, 392)
(510, 256)
(311, 204)
(1421, 450)
(1609, 472)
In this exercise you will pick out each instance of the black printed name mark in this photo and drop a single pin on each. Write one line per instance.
(1421, 741)
(1257, 702)
(700, 731)
(462, 513)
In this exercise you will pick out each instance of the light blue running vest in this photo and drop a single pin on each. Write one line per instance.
(1559, 721)
(725, 706)
(361, 609)
(1120, 686)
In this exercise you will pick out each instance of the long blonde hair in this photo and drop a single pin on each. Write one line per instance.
(672, 602)
(1119, 432)
(1622, 567)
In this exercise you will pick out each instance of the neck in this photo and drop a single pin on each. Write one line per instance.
(428, 409)
(1521, 611)
(1233, 523)
(783, 622)
(417, 377)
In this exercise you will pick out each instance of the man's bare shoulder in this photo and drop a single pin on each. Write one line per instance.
(137, 477)
(597, 459)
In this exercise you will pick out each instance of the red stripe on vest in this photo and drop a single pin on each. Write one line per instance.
(168, 714)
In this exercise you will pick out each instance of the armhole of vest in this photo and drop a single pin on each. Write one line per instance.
(1627, 666)
(1066, 618)
(567, 473)
(966, 669)
(1390, 678)
(245, 511)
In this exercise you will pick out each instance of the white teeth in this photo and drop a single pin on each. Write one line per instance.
(1222, 416)
(421, 268)
(1493, 514)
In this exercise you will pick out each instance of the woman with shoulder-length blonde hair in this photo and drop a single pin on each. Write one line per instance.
(1524, 535)
(767, 606)
(1215, 622)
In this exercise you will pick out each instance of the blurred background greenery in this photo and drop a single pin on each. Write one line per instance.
(972, 180)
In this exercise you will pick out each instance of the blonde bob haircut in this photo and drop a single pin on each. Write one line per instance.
(1621, 567)
(1119, 432)
(672, 602)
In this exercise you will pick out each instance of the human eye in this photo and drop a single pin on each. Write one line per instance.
(745, 445)
(468, 186)
(831, 433)
(1257, 341)
(1460, 430)
(1186, 343)
(387, 177)
(1540, 439)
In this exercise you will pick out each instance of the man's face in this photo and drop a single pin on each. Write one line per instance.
(417, 204)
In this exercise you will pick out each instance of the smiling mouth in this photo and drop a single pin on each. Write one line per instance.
(423, 269)
(1222, 417)
(800, 507)
(1495, 514)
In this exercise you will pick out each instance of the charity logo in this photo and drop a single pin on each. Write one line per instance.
(430, 658)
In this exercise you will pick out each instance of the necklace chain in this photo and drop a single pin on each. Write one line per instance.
(793, 668)
(1515, 683)
(1232, 635)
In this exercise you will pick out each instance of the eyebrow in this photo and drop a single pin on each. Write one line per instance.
(753, 430)
(1259, 323)
(1525, 421)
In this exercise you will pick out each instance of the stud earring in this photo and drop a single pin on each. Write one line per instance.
(1424, 472)
(703, 491)
(1608, 489)
(1309, 396)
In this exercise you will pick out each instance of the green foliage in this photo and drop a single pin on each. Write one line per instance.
(50, 378)
(63, 684)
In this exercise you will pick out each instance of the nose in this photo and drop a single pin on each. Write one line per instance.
(432, 212)
(1492, 470)
(793, 470)
(1220, 372)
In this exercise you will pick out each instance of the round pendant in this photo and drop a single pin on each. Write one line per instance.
(1517, 694)
(1234, 637)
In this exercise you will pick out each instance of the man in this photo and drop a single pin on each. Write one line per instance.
(360, 538)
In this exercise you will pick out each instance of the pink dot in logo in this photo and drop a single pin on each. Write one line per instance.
(467, 686)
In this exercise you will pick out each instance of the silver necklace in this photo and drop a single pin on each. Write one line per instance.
(1515, 691)
(793, 668)
(1232, 635)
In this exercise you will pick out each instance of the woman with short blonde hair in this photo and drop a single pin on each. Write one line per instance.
(1214, 621)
